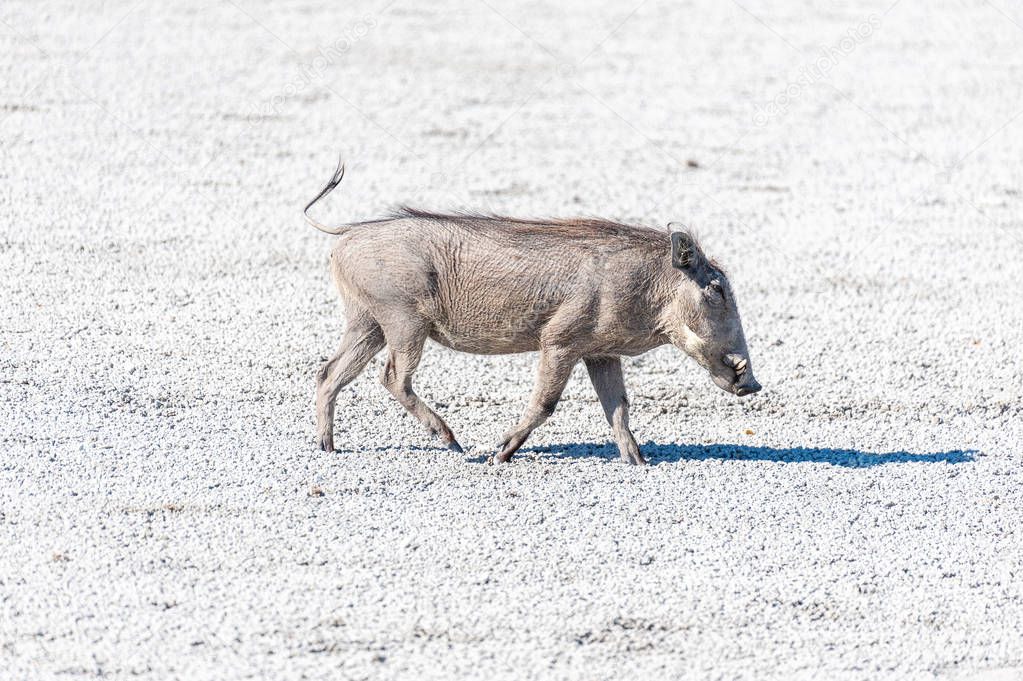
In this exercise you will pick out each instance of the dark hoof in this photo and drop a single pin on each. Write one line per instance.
(455, 447)
(633, 458)
(327, 444)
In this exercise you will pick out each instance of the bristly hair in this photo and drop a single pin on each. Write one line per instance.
(585, 226)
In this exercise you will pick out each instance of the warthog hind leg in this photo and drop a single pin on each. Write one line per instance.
(363, 339)
(405, 350)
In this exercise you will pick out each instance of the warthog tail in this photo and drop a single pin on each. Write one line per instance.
(334, 181)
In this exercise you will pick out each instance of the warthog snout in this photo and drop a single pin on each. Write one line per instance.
(744, 383)
(748, 387)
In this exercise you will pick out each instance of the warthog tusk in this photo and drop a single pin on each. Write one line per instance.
(737, 362)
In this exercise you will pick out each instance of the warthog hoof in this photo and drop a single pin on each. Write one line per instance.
(508, 445)
(455, 447)
(631, 455)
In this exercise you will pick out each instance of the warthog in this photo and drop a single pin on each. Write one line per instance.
(589, 290)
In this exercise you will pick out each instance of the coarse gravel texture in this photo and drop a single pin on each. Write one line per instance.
(165, 514)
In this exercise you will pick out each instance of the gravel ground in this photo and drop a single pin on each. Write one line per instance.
(165, 514)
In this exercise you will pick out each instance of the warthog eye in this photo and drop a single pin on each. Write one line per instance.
(715, 291)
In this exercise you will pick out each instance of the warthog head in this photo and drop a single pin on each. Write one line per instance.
(704, 318)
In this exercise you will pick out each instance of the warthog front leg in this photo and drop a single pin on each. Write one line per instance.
(606, 376)
(405, 352)
(552, 374)
(363, 339)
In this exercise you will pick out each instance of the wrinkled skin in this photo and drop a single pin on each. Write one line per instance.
(580, 290)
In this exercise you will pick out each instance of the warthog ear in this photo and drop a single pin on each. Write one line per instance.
(682, 246)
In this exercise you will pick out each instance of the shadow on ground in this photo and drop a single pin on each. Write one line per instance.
(672, 453)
